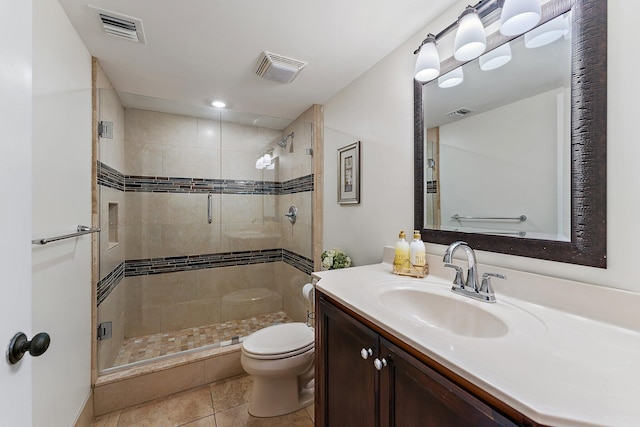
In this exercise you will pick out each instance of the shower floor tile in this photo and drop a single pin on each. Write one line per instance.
(160, 344)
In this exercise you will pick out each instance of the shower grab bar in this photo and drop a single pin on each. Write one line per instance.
(210, 208)
(82, 229)
(457, 217)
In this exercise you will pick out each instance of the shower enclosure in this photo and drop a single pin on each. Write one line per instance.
(195, 248)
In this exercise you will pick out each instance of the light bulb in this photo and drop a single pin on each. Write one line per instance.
(451, 79)
(519, 16)
(546, 33)
(495, 58)
(428, 62)
(470, 39)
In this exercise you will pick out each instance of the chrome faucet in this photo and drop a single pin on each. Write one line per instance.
(470, 287)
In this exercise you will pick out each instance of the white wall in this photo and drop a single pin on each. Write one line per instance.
(377, 108)
(507, 169)
(61, 200)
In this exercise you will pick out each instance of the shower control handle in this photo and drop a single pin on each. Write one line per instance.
(365, 353)
(292, 214)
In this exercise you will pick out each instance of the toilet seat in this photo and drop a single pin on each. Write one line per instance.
(279, 341)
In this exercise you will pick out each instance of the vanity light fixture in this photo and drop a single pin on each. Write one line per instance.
(451, 79)
(546, 33)
(516, 17)
(219, 103)
(428, 62)
(519, 16)
(470, 39)
(496, 58)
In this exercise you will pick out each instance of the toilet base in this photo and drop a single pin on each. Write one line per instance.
(274, 397)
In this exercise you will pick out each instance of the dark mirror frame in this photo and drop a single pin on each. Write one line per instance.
(588, 243)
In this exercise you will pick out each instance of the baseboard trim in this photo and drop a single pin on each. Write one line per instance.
(85, 417)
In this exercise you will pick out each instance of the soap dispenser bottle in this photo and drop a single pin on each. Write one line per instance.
(402, 253)
(417, 250)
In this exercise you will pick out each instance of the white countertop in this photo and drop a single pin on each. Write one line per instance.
(557, 366)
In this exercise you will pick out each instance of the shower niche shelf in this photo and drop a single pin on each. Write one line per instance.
(112, 228)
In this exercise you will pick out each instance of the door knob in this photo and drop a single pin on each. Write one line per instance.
(365, 353)
(19, 345)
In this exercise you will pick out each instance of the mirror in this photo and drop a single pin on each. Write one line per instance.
(558, 183)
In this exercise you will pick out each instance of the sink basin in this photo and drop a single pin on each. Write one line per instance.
(449, 313)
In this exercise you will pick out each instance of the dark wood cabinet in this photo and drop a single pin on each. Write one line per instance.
(408, 389)
(349, 383)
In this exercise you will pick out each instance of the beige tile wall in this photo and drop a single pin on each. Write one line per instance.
(171, 301)
(175, 224)
(110, 152)
(112, 309)
(292, 281)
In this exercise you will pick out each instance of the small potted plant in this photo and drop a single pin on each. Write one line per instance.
(335, 258)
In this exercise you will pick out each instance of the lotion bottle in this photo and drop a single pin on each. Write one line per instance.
(417, 250)
(402, 252)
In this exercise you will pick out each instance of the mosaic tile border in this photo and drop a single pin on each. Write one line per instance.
(109, 283)
(143, 267)
(298, 185)
(149, 266)
(110, 177)
(300, 262)
(432, 187)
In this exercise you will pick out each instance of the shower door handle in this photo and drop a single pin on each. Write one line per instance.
(209, 208)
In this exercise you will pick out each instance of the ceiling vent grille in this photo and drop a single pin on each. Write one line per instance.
(461, 112)
(121, 26)
(278, 68)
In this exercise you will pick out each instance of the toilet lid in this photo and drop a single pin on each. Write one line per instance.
(279, 339)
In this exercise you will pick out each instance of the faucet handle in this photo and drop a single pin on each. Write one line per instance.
(486, 289)
(458, 282)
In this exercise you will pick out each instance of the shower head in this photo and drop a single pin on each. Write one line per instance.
(283, 142)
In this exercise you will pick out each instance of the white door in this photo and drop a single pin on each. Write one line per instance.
(15, 206)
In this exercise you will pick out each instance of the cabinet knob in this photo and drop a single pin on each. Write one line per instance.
(365, 353)
(379, 363)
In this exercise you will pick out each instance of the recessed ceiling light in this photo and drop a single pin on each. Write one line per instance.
(219, 104)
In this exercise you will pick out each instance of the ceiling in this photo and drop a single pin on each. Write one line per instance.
(201, 50)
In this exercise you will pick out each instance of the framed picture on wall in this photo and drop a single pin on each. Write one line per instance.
(349, 174)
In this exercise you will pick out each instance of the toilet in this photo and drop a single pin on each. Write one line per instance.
(280, 358)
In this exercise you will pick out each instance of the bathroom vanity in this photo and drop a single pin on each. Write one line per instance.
(398, 351)
(368, 377)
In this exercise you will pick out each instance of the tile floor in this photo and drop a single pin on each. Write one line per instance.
(160, 344)
(220, 404)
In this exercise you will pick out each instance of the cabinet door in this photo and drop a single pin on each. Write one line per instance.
(412, 394)
(346, 384)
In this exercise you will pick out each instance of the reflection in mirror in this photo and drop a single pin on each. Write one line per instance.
(501, 140)
(579, 210)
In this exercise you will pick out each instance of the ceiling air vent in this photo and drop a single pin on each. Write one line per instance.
(122, 26)
(278, 68)
(461, 112)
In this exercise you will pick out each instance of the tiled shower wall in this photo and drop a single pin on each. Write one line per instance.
(111, 256)
(164, 227)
